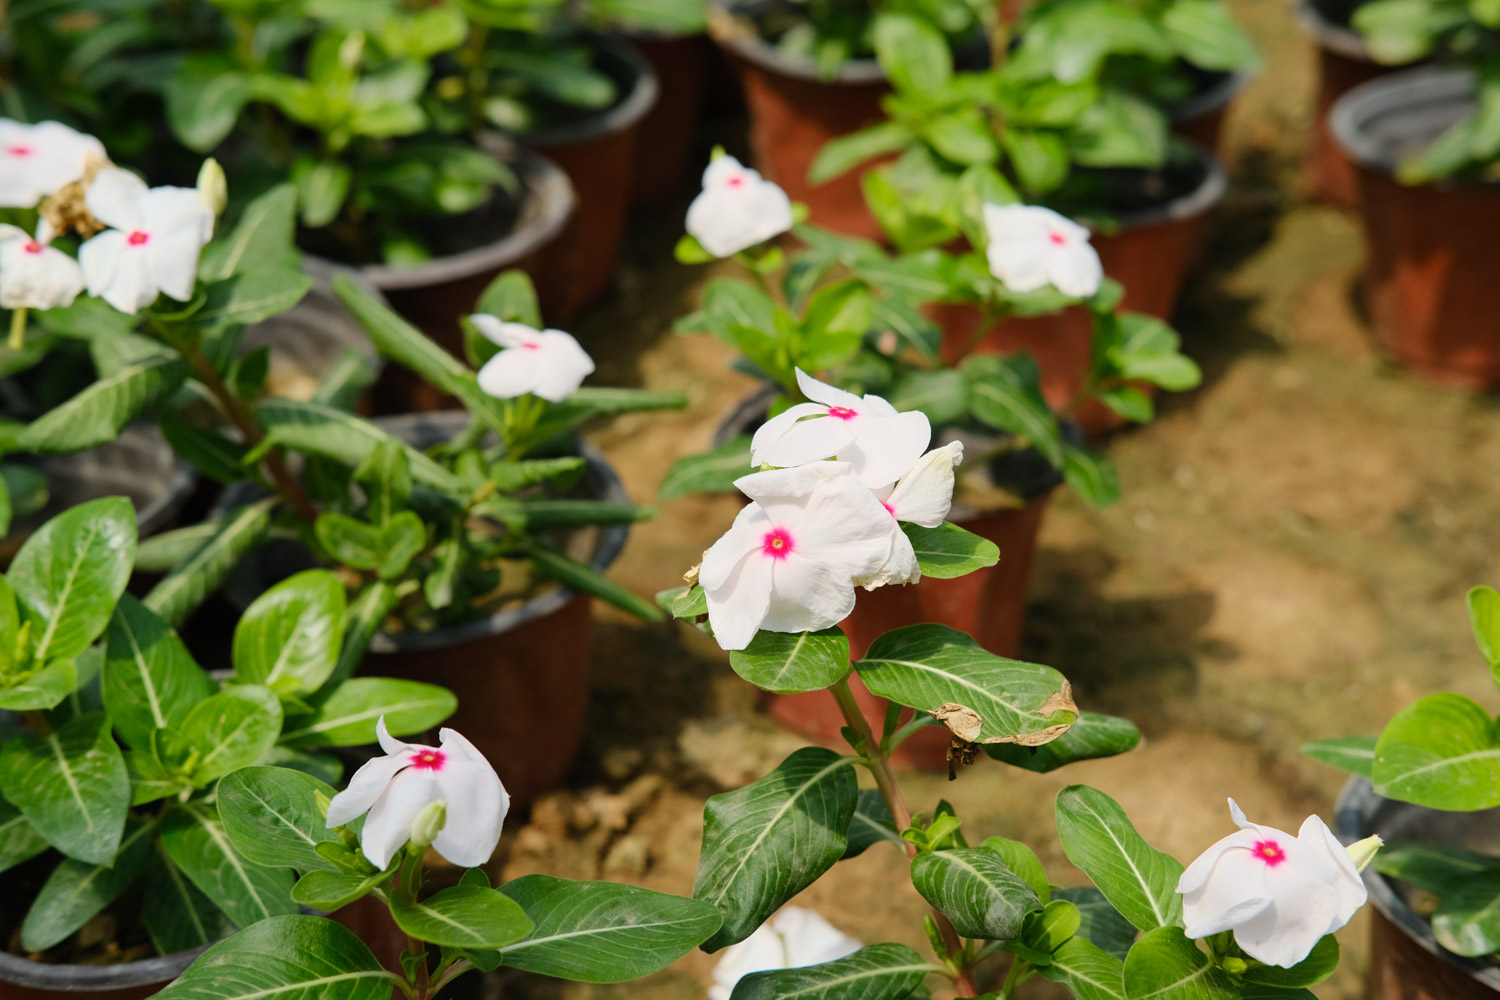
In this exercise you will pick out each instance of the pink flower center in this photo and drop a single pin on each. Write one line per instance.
(531, 345)
(736, 181)
(19, 150)
(429, 760)
(842, 412)
(136, 238)
(888, 508)
(32, 247)
(1270, 852)
(1058, 239)
(777, 544)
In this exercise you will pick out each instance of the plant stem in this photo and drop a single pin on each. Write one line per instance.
(989, 317)
(472, 61)
(17, 339)
(1020, 971)
(885, 779)
(451, 973)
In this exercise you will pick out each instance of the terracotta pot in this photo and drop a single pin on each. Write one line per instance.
(1200, 118)
(1429, 279)
(1149, 253)
(794, 112)
(1406, 962)
(597, 154)
(434, 295)
(23, 980)
(1343, 64)
(665, 148)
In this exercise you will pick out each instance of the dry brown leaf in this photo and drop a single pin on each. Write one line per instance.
(965, 723)
(961, 720)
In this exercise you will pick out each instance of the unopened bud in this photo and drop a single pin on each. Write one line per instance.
(1363, 852)
(1235, 966)
(213, 188)
(429, 823)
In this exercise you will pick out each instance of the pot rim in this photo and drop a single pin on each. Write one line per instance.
(1214, 98)
(1333, 37)
(546, 210)
(96, 978)
(749, 46)
(1354, 814)
(1409, 89)
(1196, 202)
(624, 115)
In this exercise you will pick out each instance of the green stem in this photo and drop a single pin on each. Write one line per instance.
(989, 317)
(1020, 971)
(472, 61)
(17, 329)
(900, 736)
(879, 765)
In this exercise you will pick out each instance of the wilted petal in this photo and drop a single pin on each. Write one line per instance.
(900, 566)
(509, 374)
(388, 826)
(762, 951)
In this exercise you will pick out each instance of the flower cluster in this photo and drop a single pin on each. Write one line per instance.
(150, 241)
(815, 529)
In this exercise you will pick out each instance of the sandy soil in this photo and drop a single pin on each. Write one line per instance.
(1289, 562)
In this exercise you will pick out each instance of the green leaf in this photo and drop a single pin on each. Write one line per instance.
(346, 438)
(229, 730)
(766, 842)
(1484, 617)
(1024, 863)
(1467, 921)
(974, 889)
(385, 477)
(19, 841)
(204, 98)
(843, 153)
(1435, 869)
(1102, 925)
(1165, 965)
(927, 667)
(1128, 402)
(572, 573)
(1136, 878)
(711, 472)
(44, 689)
(273, 818)
(1006, 394)
(177, 916)
(212, 454)
(150, 681)
(76, 891)
(353, 542)
(362, 622)
(1355, 754)
(463, 916)
(1089, 972)
(913, 53)
(102, 410)
(1316, 967)
(948, 551)
(943, 395)
(963, 138)
(875, 972)
(511, 297)
(871, 824)
(181, 591)
(1091, 737)
(288, 958)
(251, 296)
(289, 637)
(347, 717)
(1040, 159)
(1205, 33)
(327, 890)
(70, 573)
(1092, 475)
(789, 662)
(322, 187)
(195, 840)
(1442, 752)
(71, 786)
(263, 237)
(603, 932)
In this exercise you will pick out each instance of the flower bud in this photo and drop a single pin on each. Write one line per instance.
(429, 823)
(1235, 966)
(212, 186)
(1363, 852)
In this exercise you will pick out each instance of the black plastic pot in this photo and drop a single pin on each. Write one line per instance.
(1406, 962)
(598, 153)
(435, 294)
(23, 980)
(1200, 118)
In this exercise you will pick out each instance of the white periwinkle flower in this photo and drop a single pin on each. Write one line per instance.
(1279, 894)
(545, 363)
(397, 789)
(737, 209)
(879, 441)
(34, 275)
(792, 939)
(153, 244)
(36, 160)
(1031, 247)
(922, 496)
(789, 561)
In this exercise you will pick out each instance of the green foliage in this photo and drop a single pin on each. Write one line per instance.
(877, 972)
(786, 663)
(1138, 880)
(974, 889)
(291, 957)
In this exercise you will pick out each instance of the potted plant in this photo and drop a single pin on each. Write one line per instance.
(1430, 785)
(109, 789)
(854, 311)
(1426, 157)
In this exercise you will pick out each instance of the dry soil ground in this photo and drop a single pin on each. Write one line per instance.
(1289, 562)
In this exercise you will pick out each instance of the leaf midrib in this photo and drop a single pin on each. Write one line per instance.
(62, 598)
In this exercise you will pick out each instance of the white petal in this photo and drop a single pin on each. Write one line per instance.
(924, 494)
(477, 803)
(762, 951)
(1348, 886)
(738, 606)
(822, 392)
(388, 827)
(722, 168)
(115, 198)
(367, 785)
(117, 272)
(505, 334)
(797, 481)
(743, 536)
(775, 428)
(1075, 270)
(37, 277)
(563, 365)
(511, 373)
(173, 258)
(844, 525)
(900, 567)
(884, 448)
(807, 595)
(389, 743)
(809, 440)
(1238, 816)
(810, 939)
(9, 232)
(737, 209)
(1224, 886)
(178, 210)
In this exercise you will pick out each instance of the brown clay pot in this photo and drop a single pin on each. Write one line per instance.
(434, 295)
(988, 604)
(1149, 253)
(1406, 962)
(664, 146)
(597, 154)
(1429, 279)
(1343, 64)
(23, 980)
